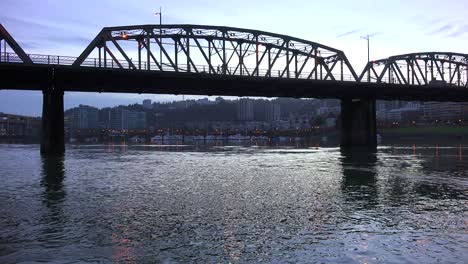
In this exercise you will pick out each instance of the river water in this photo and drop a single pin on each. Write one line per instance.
(237, 204)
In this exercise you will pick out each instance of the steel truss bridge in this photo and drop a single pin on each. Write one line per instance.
(179, 55)
(212, 60)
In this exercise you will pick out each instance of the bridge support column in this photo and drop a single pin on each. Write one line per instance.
(358, 123)
(53, 131)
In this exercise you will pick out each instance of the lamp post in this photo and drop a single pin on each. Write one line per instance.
(160, 31)
(367, 37)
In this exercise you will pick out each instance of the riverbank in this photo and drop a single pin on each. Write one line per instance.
(426, 132)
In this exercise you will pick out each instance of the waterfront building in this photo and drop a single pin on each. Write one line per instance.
(245, 111)
(445, 111)
(18, 125)
(123, 119)
(84, 117)
(205, 101)
(325, 111)
(147, 104)
(299, 121)
(136, 120)
(272, 112)
(410, 113)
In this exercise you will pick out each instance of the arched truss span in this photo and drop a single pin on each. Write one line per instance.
(439, 68)
(215, 50)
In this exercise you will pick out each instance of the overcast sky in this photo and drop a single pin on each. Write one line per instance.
(65, 27)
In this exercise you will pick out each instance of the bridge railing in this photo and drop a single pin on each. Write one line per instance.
(10, 57)
(110, 63)
(38, 59)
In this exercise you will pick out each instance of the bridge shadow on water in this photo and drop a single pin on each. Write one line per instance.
(402, 176)
(54, 218)
(53, 175)
(359, 175)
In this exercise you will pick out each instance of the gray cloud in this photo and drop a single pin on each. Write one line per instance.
(36, 35)
(459, 31)
(375, 34)
(348, 33)
(441, 30)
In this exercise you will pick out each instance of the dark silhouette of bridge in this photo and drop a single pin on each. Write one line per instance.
(211, 60)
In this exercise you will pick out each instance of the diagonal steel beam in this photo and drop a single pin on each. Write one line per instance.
(366, 69)
(330, 71)
(274, 59)
(327, 69)
(455, 71)
(398, 73)
(395, 74)
(151, 55)
(123, 53)
(187, 55)
(234, 52)
(14, 45)
(384, 70)
(343, 57)
(255, 71)
(235, 69)
(163, 50)
(286, 68)
(216, 50)
(420, 71)
(376, 75)
(204, 55)
(95, 43)
(305, 62)
(438, 70)
(243, 56)
(314, 70)
(106, 49)
(414, 75)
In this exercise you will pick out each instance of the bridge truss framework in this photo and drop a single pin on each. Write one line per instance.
(215, 50)
(430, 68)
(211, 59)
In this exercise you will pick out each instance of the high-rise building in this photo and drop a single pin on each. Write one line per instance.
(123, 119)
(118, 119)
(272, 112)
(245, 109)
(104, 118)
(136, 120)
(147, 104)
(444, 111)
(205, 101)
(85, 117)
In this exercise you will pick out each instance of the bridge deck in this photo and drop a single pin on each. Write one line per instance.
(87, 79)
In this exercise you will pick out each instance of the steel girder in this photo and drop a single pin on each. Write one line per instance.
(429, 68)
(7, 39)
(215, 50)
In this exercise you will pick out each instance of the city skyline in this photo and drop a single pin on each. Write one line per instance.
(396, 28)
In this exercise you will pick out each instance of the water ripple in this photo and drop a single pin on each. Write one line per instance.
(237, 204)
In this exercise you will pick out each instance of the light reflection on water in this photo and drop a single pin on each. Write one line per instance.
(185, 203)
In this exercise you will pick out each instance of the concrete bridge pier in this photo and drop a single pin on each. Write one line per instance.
(358, 123)
(53, 131)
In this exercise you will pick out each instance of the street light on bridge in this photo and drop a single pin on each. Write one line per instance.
(160, 31)
(367, 37)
